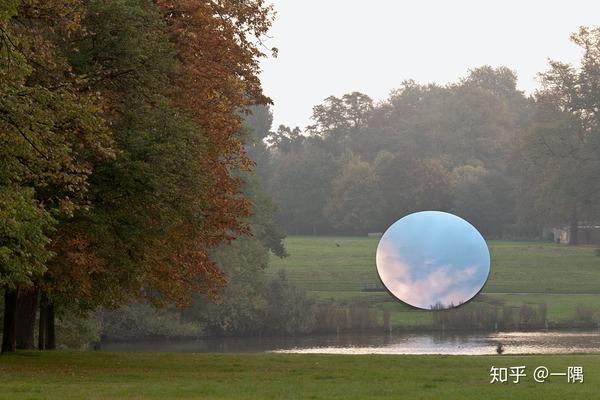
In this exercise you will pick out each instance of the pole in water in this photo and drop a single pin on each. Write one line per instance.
(500, 348)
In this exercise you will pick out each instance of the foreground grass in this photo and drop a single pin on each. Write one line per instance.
(87, 375)
(563, 277)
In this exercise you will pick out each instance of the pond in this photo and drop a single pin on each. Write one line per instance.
(402, 343)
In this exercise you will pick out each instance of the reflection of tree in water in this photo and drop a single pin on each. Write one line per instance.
(483, 315)
(440, 306)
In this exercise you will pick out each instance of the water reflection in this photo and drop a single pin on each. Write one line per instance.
(433, 259)
(514, 343)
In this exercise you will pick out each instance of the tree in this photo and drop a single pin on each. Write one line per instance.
(24, 226)
(409, 185)
(356, 203)
(244, 305)
(286, 140)
(49, 130)
(301, 184)
(340, 116)
(171, 195)
(341, 121)
(140, 215)
(560, 150)
(484, 198)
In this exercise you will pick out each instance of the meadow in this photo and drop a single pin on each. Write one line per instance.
(564, 278)
(335, 269)
(98, 375)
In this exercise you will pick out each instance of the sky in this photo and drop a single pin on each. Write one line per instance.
(433, 257)
(332, 47)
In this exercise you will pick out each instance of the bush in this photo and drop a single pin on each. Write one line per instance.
(289, 309)
(363, 317)
(76, 331)
(584, 314)
(474, 315)
(140, 320)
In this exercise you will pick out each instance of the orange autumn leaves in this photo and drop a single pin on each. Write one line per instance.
(218, 47)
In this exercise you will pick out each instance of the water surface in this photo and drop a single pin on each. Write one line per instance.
(421, 343)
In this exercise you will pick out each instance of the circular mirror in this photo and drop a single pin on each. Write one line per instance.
(433, 260)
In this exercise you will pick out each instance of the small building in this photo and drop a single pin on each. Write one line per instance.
(587, 233)
(374, 287)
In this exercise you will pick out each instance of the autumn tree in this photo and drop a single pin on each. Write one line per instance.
(50, 132)
(171, 80)
(177, 76)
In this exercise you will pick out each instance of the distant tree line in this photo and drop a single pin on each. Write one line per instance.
(480, 148)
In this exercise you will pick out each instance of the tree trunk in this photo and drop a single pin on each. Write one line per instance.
(50, 334)
(26, 313)
(574, 228)
(43, 322)
(9, 336)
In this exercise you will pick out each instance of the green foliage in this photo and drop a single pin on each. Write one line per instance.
(289, 309)
(141, 320)
(484, 198)
(249, 304)
(301, 183)
(113, 186)
(559, 153)
(410, 185)
(124, 49)
(412, 142)
(75, 331)
(356, 202)
(242, 305)
(24, 229)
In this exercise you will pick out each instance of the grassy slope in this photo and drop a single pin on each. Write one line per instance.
(276, 376)
(568, 276)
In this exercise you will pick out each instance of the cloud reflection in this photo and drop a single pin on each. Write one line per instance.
(433, 259)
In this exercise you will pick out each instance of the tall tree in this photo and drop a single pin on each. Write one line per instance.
(560, 151)
(170, 79)
(176, 74)
(49, 127)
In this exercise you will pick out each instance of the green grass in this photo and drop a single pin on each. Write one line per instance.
(563, 277)
(94, 375)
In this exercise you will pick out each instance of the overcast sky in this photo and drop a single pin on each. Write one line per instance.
(332, 47)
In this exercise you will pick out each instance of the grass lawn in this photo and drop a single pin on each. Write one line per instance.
(563, 277)
(97, 375)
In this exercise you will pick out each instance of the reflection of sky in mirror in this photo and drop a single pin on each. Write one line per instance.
(433, 258)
